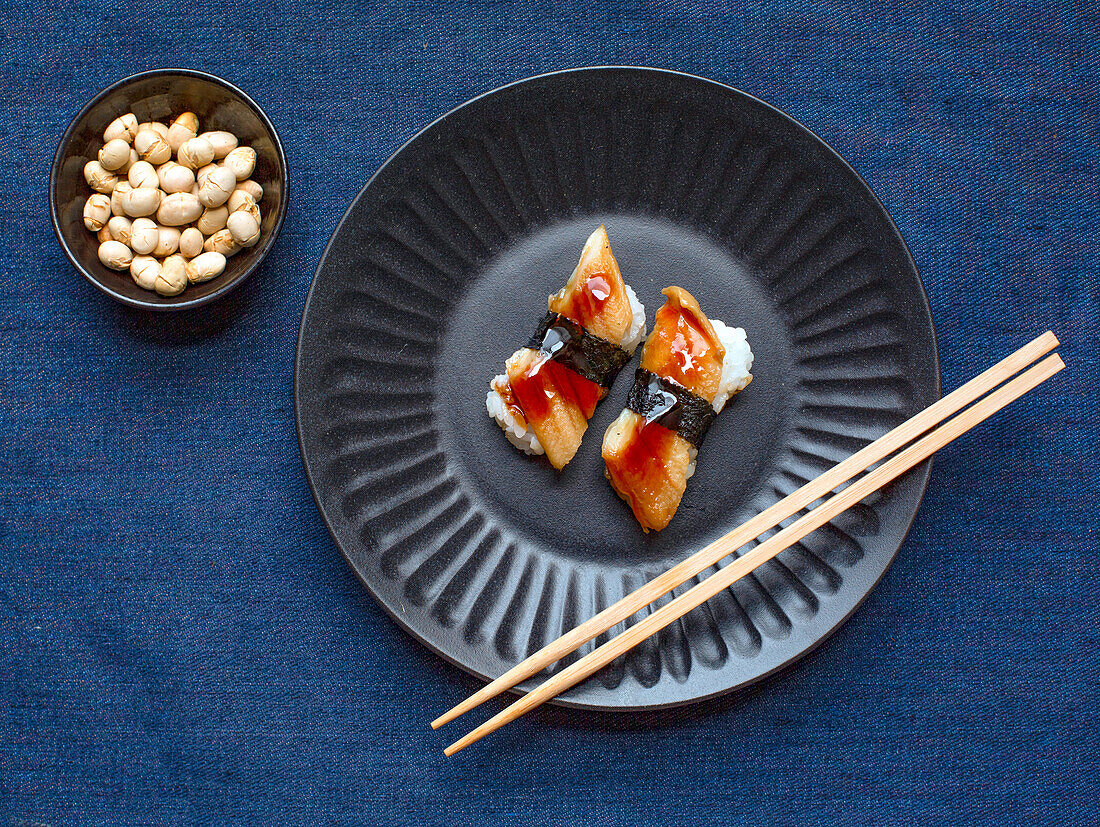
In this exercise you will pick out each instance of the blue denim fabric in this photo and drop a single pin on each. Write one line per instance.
(181, 643)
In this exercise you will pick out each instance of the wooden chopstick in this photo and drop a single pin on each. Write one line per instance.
(854, 493)
(764, 521)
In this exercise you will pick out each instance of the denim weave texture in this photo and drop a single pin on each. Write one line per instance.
(182, 643)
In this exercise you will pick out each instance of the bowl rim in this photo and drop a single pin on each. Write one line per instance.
(59, 158)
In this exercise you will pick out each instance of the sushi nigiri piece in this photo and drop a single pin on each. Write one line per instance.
(690, 367)
(551, 387)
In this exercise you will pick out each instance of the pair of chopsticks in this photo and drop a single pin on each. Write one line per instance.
(935, 416)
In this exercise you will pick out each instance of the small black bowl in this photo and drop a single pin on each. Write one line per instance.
(161, 95)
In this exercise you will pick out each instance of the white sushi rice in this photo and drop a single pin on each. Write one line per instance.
(693, 452)
(736, 365)
(521, 435)
(636, 332)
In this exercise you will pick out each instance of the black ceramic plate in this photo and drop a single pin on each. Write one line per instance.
(441, 268)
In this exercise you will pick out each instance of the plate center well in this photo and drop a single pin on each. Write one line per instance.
(575, 513)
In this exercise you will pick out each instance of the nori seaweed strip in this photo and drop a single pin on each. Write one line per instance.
(670, 405)
(572, 346)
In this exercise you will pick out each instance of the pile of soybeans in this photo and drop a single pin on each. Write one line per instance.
(170, 204)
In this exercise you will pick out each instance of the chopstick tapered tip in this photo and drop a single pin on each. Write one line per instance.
(461, 709)
(944, 433)
(457, 746)
(491, 690)
(492, 725)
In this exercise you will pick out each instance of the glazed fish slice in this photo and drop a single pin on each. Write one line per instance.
(597, 298)
(551, 387)
(690, 368)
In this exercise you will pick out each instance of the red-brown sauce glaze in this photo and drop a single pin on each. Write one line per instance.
(682, 349)
(504, 389)
(585, 302)
(544, 379)
(643, 459)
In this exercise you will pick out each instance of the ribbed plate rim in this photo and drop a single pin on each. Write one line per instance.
(923, 471)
